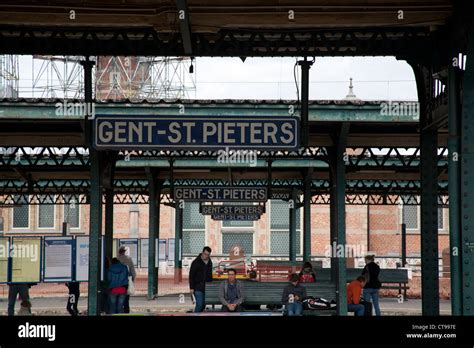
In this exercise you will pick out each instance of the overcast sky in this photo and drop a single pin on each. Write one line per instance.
(374, 78)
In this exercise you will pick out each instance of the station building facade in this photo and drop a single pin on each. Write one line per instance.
(374, 228)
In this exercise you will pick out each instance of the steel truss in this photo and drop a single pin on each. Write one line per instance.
(386, 192)
(404, 43)
(357, 158)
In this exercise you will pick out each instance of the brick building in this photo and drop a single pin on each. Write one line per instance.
(376, 228)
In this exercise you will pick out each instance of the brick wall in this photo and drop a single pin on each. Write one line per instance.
(383, 225)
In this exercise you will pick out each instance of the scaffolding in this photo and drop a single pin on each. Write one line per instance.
(138, 78)
(115, 78)
(9, 77)
(57, 77)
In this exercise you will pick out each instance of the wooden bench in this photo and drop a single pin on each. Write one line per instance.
(277, 269)
(391, 278)
(281, 270)
(269, 293)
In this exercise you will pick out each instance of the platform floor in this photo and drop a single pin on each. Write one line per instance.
(181, 304)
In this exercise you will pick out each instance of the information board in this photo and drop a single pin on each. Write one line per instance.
(26, 260)
(4, 253)
(162, 254)
(58, 262)
(144, 252)
(171, 249)
(82, 258)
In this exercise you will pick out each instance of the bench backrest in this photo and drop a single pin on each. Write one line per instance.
(270, 292)
(387, 275)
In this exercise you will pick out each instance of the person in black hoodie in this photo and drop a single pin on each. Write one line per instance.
(371, 272)
(199, 274)
(293, 295)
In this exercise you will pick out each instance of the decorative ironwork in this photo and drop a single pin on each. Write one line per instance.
(401, 42)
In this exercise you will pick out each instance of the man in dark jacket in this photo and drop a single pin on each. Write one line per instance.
(199, 274)
(371, 272)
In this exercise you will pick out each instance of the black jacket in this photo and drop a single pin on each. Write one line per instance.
(199, 274)
(298, 290)
(372, 271)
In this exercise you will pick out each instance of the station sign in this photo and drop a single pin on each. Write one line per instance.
(220, 194)
(232, 209)
(234, 217)
(195, 133)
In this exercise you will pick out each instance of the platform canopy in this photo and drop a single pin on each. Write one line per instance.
(407, 29)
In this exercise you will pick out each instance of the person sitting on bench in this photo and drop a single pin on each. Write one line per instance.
(354, 290)
(307, 274)
(293, 296)
(231, 293)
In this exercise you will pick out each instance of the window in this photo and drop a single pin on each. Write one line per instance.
(71, 211)
(410, 216)
(280, 228)
(440, 219)
(46, 212)
(21, 214)
(194, 229)
(242, 239)
(193, 242)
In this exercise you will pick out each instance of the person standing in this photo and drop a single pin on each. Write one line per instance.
(13, 291)
(293, 296)
(118, 284)
(231, 293)
(199, 274)
(371, 272)
(354, 290)
(73, 298)
(25, 308)
(127, 261)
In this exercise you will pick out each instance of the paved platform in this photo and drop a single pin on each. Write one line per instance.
(179, 305)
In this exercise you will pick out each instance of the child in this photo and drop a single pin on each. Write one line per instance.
(25, 308)
(293, 296)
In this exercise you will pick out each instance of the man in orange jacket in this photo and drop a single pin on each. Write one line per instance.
(354, 290)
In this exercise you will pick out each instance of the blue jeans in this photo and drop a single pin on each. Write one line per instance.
(358, 309)
(116, 302)
(295, 308)
(374, 294)
(199, 307)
